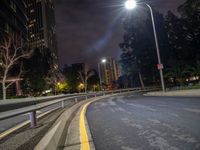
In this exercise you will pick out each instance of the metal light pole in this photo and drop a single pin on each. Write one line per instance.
(100, 81)
(157, 48)
(99, 70)
(131, 4)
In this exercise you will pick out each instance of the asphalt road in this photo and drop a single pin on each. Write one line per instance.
(145, 123)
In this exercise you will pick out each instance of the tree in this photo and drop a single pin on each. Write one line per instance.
(93, 81)
(177, 73)
(195, 70)
(38, 69)
(139, 51)
(84, 75)
(53, 78)
(72, 76)
(62, 87)
(129, 64)
(184, 33)
(12, 51)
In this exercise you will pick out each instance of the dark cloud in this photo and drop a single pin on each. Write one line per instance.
(88, 30)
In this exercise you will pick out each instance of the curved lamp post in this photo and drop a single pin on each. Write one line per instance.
(131, 4)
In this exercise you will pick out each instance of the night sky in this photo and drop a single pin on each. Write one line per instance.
(88, 30)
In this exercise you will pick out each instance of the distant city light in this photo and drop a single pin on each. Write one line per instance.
(103, 60)
(130, 4)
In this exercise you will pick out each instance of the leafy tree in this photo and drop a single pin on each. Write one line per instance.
(139, 52)
(184, 33)
(93, 81)
(62, 87)
(54, 77)
(178, 74)
(195, 70)
(184, 40)
(72, 76)
(37, 69)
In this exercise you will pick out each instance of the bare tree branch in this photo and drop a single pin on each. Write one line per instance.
(12, 51)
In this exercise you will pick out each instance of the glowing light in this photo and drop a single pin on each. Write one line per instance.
(103, 60)
(130, 4)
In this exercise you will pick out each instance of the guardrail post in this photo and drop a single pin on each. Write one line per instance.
(63, 104)
(33, 119)
(104, 93)
(76, 100)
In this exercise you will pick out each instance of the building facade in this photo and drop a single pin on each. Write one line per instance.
(110, 71)
(13, 17)
(41, 26)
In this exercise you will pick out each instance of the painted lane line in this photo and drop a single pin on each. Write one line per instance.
(85, 144)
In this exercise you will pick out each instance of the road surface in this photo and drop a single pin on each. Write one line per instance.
(145, 123)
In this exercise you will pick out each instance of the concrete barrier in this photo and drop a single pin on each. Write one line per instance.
(51, 140)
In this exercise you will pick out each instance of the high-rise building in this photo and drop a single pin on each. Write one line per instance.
(13, 18)
(41, 25)
(110, 71)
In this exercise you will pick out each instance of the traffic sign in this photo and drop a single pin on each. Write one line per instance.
(160, 66)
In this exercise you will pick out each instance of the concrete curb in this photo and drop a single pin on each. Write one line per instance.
(73, 141)
(52, 138)
(180, 93)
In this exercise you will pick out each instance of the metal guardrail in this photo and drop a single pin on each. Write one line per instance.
(31, 105)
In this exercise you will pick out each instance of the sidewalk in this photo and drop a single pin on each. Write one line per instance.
(190, 93)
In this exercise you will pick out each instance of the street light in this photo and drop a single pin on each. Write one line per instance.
(131, 4)
(103, 61)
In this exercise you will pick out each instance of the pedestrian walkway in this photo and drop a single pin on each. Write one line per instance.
(192, 92)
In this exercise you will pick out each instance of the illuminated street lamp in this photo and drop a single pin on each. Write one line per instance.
(131, 4)
(103, 61)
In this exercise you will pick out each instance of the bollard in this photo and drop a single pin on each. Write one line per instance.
(76, 100)
(33, 119)
(86, 97)
(95, 95)
(63, 104)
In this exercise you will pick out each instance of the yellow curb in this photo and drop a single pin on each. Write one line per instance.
(82, 128)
